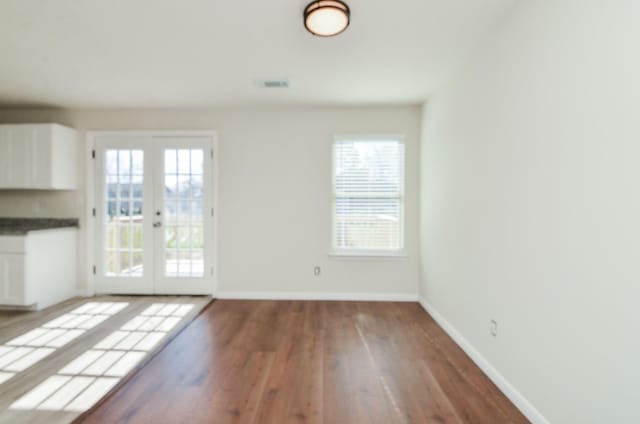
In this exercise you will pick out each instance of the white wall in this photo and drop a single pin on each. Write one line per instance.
(274, 192)
(531, 207)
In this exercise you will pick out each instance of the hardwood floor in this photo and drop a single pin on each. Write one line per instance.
(24, 374)
(311, 362)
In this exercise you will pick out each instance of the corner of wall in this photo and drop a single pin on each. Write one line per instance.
(490, 371)
(421, 187)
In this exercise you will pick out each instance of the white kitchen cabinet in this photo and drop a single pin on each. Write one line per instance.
(12, 273)
(38, 269)
(38, 156)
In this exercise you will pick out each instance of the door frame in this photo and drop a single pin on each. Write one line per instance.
(90, 196)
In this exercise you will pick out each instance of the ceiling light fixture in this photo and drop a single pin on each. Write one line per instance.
(326, 18)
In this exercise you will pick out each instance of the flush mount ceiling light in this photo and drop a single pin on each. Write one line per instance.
(326, 18)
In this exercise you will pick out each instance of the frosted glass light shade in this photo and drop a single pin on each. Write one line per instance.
(326, 18)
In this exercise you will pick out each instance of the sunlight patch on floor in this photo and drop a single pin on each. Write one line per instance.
(28, 349)
(86, 379)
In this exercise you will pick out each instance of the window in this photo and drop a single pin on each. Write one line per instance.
(368, 190)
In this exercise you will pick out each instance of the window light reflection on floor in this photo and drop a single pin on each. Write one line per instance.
(26, 350)
(86, 379)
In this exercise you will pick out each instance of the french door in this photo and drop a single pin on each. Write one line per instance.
(154, 214)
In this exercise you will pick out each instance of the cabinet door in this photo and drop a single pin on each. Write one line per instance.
(16, 152)
(28, 156)
(5, 155)
(38, 139)
(12, 279)
(20, 166)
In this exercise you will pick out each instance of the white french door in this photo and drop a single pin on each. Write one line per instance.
(154, 199)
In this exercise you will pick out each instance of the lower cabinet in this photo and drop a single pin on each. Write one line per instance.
(38, 269)
(12, 275)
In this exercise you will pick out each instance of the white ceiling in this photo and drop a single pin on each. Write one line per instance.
(173, 53)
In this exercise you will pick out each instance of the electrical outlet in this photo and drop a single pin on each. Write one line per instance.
(493, 328)
(316, 271)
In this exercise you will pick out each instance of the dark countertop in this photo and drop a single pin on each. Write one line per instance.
(21, 226)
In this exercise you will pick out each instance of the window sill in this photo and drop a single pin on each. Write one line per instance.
(368, 254)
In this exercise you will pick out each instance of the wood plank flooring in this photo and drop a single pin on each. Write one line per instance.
(14, 325)
(309, 362)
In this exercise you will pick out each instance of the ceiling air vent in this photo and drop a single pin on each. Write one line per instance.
(273, 83)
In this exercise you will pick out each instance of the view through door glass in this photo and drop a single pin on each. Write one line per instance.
(183, 212)
(123, 230)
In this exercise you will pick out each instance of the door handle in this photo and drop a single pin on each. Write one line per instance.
(157, 224)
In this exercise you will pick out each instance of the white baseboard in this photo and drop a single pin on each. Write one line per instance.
(369, 297)
(498, 379)
(83, 293)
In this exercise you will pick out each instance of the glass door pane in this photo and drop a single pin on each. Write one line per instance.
(123, 230)
(125, 202)
(183, 212)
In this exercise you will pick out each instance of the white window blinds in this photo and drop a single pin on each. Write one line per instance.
(368, 208)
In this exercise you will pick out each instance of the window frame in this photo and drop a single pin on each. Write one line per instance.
(369, 253)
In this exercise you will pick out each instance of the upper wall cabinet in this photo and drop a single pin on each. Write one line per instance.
(38, 156)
